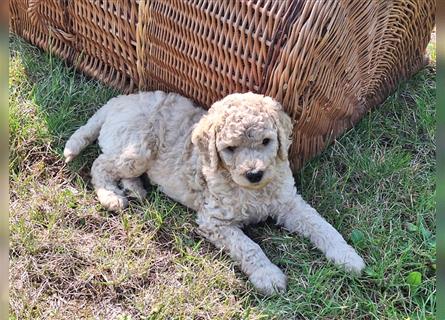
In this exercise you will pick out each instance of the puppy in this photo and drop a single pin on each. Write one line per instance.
(229, 164)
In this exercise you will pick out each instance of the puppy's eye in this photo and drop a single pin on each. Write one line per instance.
(266, 141)
(231, 149)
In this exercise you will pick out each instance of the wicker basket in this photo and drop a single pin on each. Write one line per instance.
(328, 62)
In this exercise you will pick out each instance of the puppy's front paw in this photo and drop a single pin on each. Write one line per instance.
(269, 280)
(112, 201)
(347, 257)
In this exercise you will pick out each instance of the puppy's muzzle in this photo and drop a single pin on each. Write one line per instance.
(254, 176)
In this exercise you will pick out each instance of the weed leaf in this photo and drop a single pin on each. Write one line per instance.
(414, 279)
(357, 237)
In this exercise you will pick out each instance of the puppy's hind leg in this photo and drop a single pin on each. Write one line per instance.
(108, 170)
(130, 165)
(134, 187)
(104, 179)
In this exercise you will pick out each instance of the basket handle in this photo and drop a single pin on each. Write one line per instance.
(36, 19)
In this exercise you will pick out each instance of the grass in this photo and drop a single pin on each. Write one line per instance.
(70, 259)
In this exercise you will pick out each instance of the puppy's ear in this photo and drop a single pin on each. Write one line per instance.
(284, 129)
(204, 137)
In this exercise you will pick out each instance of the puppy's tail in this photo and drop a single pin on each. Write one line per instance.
(85, 135)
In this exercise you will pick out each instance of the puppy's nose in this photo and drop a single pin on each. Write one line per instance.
(254, 176)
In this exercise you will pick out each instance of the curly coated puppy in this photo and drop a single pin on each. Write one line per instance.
(229, 164)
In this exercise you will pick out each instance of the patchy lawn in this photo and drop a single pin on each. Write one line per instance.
(70, 259)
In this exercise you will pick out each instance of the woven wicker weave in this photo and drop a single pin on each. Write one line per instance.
(105, 33)
(43, 26)
(328, 62)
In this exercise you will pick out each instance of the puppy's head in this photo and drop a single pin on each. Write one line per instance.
(246, 135)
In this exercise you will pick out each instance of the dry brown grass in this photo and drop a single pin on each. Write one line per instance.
(69, 258)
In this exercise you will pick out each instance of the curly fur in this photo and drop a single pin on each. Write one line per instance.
(203, 160)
